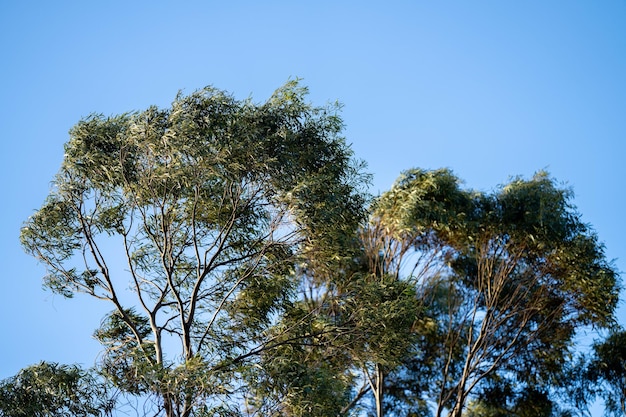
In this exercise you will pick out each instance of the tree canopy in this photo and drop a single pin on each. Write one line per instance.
(212, 205)
(517, 275)
(249, 273)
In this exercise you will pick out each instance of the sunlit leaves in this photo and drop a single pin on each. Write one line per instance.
(422, 200)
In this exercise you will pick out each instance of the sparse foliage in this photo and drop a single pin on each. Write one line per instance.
(601, 375)
(608, 370)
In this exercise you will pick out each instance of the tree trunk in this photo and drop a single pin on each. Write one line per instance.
(168, 405)
(457, 411)
(378, 394)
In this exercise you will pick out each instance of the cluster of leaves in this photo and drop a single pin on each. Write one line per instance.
(601, 375)
(53, 390)
(608, 370)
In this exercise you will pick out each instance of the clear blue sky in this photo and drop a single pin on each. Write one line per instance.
(490, 89)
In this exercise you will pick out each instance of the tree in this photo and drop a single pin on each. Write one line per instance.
(53, 390)
(518, 274)
(458, 295)
(212, 205)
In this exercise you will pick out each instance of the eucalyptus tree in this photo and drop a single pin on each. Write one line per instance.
(518, 274)
(206, 211)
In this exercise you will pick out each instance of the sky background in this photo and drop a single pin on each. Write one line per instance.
(490, 89)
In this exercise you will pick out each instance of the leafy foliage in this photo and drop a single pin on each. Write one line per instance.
(53, 390)
(510, 277)
(247, 276)
(212, 204)
(603, 374)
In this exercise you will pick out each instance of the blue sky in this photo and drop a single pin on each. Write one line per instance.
(490, 89)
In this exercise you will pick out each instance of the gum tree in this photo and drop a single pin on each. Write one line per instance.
(205, 210)
(519, 274)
